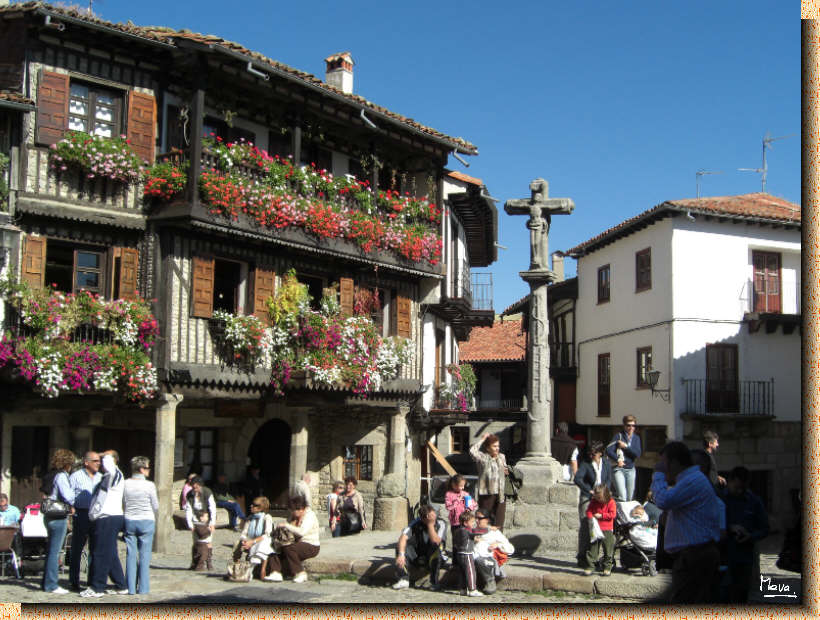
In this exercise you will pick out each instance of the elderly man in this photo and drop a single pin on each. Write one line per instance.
(9, 515)
(107, 520)
(421, 545)
(692, 524)
(83, 482)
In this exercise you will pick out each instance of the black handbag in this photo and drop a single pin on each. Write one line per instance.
(54, 508)
(351, 522)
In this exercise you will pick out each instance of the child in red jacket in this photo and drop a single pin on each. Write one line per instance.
(601, 511)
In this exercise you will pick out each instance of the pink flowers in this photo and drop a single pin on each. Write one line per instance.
(96, 156)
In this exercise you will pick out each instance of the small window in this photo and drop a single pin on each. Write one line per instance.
(461, 439)
(603, 385)
(315, 286)
(94, 110)
(603, 284)
(201, 450)
(70, 269)
(644, 363)
(643, 270)
(228, 285)
(358, 462)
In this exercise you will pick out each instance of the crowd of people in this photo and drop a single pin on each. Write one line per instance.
(695, 523)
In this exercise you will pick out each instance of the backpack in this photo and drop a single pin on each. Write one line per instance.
(47, 483)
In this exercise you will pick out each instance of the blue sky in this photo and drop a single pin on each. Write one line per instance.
(617, 105)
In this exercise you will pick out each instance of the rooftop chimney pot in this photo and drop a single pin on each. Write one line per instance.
(339, 71)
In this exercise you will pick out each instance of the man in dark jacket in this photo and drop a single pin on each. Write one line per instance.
(595, 470)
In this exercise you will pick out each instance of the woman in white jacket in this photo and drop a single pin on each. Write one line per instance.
(304, 525)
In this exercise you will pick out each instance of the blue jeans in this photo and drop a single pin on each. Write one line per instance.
(56, 529)
(138, 538)
(623, 479)
(104, 559)
(234, 512)
(81, 527)
(337, 531)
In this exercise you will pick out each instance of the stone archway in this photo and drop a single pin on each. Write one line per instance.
(270, 451)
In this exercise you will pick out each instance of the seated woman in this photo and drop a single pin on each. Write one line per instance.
(352, 517)
(255, 537)
(304, 526)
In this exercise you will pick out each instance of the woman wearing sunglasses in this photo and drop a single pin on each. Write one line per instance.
(255, 537)
(623, 451)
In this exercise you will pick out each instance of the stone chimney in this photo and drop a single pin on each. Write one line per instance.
(558, 266)
(339, 71)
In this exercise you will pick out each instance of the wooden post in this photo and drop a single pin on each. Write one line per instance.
(165, 427)
(297, 142)
(195, 168)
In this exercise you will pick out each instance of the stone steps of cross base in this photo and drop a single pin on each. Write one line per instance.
(534, 541)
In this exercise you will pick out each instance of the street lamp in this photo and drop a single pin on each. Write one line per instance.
(653, 376)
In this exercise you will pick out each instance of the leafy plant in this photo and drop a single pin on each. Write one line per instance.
(164, 181)
(97, 156)
(284, 306)
(461, 388)
(4, 186)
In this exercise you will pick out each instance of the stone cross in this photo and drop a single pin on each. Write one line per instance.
(540, 208)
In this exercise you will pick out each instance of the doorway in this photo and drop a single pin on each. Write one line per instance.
(270, 451)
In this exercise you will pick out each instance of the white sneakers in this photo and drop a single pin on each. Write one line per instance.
(475, 593)
(90, 593)
(401, 584)
(274, 576)
(113, 591)
(300, 578)
(58, 590)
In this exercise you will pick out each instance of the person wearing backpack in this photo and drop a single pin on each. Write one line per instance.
(57, 504)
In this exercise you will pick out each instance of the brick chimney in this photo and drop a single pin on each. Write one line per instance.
(558, 266)
(339, 71)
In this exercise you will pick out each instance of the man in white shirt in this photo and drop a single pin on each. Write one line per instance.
(106, 516)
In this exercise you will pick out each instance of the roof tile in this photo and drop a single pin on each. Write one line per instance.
(503, 342)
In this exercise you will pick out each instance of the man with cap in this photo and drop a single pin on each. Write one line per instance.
(488, 540)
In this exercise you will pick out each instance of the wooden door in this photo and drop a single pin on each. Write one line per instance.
(721, 379)
(766, 278)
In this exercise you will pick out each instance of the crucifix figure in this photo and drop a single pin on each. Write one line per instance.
(540, 208)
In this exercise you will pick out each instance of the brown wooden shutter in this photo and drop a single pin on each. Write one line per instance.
(202, 287)
(346, 296)
(34, 262)
(52, 107)
(129, 261)
(402, 316)
(264, 286)
(142, 115)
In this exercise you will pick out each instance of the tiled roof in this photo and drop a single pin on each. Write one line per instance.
(13, 97)
(169, 36)
(503, 342)
(460, 176)
(758, 207)
(516, 306)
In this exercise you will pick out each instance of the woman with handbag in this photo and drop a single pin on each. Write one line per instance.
(353, 516)
(57, 504)
(304, 525)
(492, 470)
(254, 541)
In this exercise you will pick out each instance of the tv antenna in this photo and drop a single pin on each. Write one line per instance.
(767, 141)
(699, 174)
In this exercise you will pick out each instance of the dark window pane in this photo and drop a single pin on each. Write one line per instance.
(87, 279)
(88, 259)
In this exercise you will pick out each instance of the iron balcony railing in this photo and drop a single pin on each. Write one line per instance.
(482, 290)
(706, 397)
(503, 403)
(787, 302)
(84, 333)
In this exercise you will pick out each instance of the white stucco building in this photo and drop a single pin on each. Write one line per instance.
(706, 291)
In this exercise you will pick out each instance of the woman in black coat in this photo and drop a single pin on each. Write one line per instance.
(594, 470)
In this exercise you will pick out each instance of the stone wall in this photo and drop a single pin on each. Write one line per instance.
(761, 445)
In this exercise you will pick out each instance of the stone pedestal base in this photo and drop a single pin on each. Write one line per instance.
(389, 513)
(545, 515)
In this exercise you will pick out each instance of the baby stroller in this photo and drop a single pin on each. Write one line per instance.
(634, 540)
(34, 540)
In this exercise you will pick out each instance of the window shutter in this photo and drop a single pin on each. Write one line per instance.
(142, 115)
(52, 107)
(403, 316)
(34, 262)
(129, 260)
(264, 286)
(203, 287)
(346, 296)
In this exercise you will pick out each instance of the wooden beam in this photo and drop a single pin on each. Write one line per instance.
(440, 458)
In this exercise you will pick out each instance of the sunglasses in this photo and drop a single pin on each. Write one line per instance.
(256, 505)
(630, 425)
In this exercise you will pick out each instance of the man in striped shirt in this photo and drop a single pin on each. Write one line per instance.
(692, 523)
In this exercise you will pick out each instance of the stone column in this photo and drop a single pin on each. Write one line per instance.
(5, 456)
(396, 449)
(298, 450)
(165, 426)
